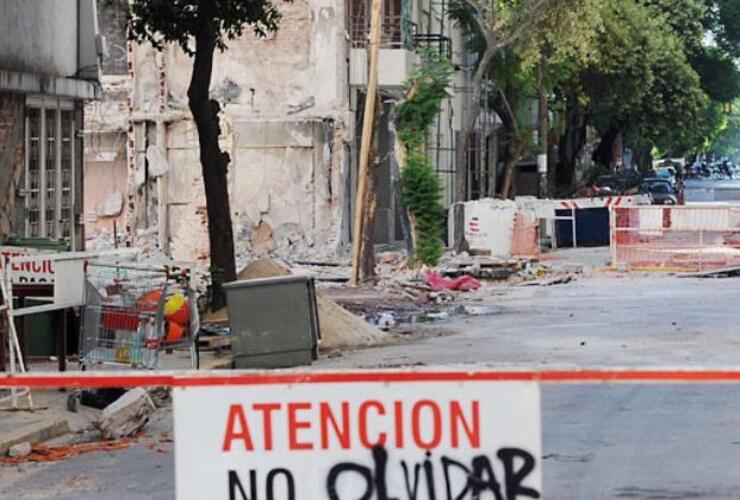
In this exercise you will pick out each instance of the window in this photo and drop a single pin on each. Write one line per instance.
(49, 179)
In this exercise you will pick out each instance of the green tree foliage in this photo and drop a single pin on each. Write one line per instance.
(176, 21)
(421, 187)
(539, 61)
(727, 142)
(722, 19)
(642, 83)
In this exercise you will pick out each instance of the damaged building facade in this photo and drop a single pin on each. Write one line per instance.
(43, 86)
(291, 119)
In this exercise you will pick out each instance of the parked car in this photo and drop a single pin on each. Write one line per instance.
(668, 174)
(661, 193)
(650, 181)
(608, 183)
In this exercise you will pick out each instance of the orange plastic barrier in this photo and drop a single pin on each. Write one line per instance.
(525, 238)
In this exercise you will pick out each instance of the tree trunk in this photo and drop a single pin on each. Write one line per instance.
(544, 136)
(571, 144)
(214, 162)
(604, 154)
(367, 259)
(511, 163)
(367, 255)
(461, 160)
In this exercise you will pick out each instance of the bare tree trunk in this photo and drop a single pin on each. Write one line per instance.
(544, 135)
(571, 145)
(604, 154)
(367, 259)
(367, 255)
(511, 164)
(214, 162)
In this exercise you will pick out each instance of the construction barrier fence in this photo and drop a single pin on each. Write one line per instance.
(679, 238)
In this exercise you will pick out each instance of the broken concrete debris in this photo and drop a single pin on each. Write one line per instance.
(20, 449)
(35, 432)
(127, 415)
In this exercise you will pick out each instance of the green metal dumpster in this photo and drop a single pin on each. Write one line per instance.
(274, 322)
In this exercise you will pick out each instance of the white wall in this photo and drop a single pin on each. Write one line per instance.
(39, 36)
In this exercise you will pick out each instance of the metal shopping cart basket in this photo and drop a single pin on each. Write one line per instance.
(132, 313)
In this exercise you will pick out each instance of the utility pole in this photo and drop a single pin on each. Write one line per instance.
(367, 141)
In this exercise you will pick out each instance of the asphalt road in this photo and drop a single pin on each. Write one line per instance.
(600, 442)
(702, 190)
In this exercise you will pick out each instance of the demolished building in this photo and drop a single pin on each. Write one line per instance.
(291, 117)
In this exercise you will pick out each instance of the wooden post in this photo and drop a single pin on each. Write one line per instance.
(367, 137)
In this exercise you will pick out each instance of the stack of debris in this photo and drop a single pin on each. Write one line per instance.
(483, 267)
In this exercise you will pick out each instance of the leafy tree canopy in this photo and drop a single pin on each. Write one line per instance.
(176, 21)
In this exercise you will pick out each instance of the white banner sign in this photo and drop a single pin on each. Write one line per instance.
(40, 271)
(337, 438)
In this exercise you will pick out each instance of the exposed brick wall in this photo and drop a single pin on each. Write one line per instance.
(112, 16)
(11, 155)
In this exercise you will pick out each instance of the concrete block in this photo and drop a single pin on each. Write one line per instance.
(20, 449)
(127, 415)
(35, 432)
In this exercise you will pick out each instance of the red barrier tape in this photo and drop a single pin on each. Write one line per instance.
(191, 379)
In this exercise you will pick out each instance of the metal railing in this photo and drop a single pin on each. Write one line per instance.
(392, 32)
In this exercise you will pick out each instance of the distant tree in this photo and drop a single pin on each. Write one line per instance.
(200, 27)
(496, 24)
(641, 85)
(533, 64)
(722, 18)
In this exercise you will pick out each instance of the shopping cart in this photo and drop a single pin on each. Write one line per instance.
(133, 313)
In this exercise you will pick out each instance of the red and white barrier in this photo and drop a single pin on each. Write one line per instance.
(682, 238)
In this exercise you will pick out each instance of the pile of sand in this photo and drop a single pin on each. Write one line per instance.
(339, 327)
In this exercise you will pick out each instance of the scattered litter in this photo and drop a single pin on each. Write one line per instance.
(462, 284)
(560, 457)
(558, 280)
(41, 453)
(320, 264)
(97, 399)
(386, 321)
(438, 315)
(471, 310)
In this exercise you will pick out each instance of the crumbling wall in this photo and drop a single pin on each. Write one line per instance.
(285, 125)
(300, 71)
(106, 120)
(285, 184)
(105, 172)
(11, 156)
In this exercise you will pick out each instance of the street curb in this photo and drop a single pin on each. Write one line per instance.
(36, 432)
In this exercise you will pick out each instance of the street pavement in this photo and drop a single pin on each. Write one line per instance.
(708, 190)
(599, 441)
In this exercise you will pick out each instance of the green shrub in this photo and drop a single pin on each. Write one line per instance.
(421, 187)
(422, 190)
